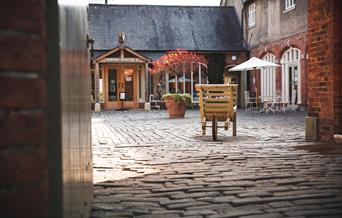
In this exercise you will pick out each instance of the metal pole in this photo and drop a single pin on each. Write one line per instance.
(256, 88)
(200, 74)
(167, 82)
(184, 83)
(192, 83)
(176, 83)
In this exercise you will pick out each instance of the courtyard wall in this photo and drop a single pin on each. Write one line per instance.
(324, 66)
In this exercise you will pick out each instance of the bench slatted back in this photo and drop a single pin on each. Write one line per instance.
(218, 99)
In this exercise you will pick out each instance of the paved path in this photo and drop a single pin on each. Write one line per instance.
(146, 165)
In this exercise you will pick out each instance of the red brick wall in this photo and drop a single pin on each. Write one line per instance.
(240, 57)
(324, 66)
(278, 48)
(338, 66)
(23, 115)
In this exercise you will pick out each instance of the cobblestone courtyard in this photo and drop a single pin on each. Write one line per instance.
(146, 165)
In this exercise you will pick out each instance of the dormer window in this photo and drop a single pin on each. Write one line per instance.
(251, 15)
(289, 5)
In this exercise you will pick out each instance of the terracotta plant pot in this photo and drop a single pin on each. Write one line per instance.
(176, 110)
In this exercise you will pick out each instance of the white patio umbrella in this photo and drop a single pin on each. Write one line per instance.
(254, 64)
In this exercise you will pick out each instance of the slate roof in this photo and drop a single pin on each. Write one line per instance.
(162, 28)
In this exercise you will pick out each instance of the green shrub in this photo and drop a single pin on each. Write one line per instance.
(177, 97)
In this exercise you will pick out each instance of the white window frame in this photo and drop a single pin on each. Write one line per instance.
(290, 5)
(268, 77)
(290, 58)
(251, 15)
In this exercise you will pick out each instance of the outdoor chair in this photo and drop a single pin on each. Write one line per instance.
(280, 104)
(154, 103)
(250, 102)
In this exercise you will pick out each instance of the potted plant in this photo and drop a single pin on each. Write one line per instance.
(179, 62)
(176, 104)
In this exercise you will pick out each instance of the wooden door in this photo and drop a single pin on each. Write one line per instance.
(120, 87)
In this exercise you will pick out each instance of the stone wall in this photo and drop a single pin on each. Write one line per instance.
(324, 66)
(273, 22)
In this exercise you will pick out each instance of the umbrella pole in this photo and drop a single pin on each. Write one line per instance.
(256, 88)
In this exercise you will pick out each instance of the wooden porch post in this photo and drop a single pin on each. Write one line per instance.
(97, 84)
(147, 84)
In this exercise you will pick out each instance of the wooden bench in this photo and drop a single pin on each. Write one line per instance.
(217, 103)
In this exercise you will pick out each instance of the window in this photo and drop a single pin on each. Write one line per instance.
(289, 5)
(291, 77)
(251, 15)
(268, 77)
(112, 88)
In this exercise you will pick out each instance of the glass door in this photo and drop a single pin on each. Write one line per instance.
(128, 84)
(293, 84)
(112, 85)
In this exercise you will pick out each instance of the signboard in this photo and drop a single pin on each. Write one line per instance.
(128, 78)
(121, 60)
(122, 96)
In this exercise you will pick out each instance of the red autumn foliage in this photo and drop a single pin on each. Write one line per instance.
(178, 61)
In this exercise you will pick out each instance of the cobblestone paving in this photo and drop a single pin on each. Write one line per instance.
(146, 165)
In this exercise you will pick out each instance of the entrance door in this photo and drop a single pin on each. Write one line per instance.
(293, 85)
(120, 88)
(291, 77)
(127, 81)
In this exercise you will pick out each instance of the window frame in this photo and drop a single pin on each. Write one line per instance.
(251, 11)
(289, 5)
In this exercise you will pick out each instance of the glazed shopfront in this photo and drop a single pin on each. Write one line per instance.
(119, 79)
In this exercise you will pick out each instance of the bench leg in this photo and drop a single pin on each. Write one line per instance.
(214, 127)
(234, 124)
(203, 130)
(204, 124)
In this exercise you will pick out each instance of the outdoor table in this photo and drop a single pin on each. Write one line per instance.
(268, 104)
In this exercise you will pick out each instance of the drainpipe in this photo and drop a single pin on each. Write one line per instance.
(242, 29)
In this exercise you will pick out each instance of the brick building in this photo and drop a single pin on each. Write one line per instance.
(276, 31)
(305, 38)
(45, 154)
(150, 32)
(325, 68)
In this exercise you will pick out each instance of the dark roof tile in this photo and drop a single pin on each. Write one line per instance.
(162, 28)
